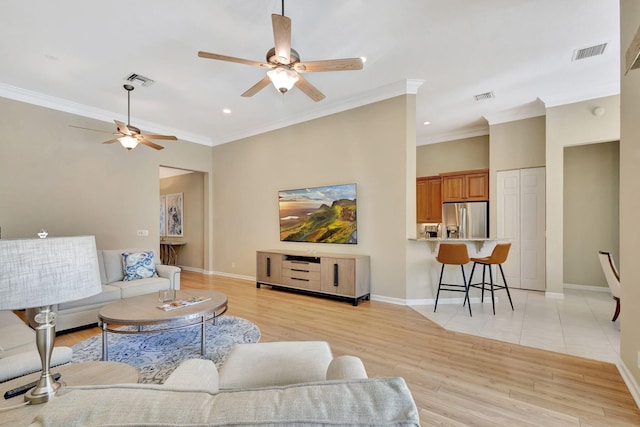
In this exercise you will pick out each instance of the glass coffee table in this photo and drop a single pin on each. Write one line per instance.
(143, 313)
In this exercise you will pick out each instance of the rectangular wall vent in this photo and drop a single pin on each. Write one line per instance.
(139, 80)
(483, 96)
(588, 52)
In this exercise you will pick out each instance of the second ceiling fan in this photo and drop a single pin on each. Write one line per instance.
(285, 65)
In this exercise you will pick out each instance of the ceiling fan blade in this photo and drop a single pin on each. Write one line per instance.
(171, 137)
(257, 87)
(111, 141)
(94, 130)
(209, 55)
(122, 128)
(309, 89)
(150, 144)
(346, 64)
(282, 37)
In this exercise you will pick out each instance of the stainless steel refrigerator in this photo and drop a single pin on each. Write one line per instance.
(468, 220)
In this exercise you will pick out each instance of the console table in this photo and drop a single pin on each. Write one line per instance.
(332, 275)
(169, 252)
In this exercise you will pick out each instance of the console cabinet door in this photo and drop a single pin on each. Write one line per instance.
(338, 276)
(269, 266)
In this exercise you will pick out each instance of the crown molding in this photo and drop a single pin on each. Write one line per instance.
(402, 87)
(526, 111)
(585, 94)
(469, 132)
(59, 104)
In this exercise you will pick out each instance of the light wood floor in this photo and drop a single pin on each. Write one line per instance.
(455, 379)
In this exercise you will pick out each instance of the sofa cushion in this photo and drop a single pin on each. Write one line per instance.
(109, 294)
(15, 336)
(370, 402)
(24, 362)
(138, 265)
(141, 286)
(275, 363)
(113, 262)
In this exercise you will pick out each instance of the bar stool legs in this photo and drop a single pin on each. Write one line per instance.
(498, 257)
(453, 254)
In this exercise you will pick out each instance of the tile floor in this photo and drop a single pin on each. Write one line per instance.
(578, 324)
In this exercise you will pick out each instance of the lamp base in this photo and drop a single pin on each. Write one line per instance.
(45, 337)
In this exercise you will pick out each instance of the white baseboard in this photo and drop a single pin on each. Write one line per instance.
(194, 269)
(586, 287)
(233, 276)
(630, 381)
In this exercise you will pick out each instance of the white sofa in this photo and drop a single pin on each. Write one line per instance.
(192, 395)
(19, 354)
(83, 312)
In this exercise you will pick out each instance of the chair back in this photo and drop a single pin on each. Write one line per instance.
(499, 253)
(453, 253)
(610, 272)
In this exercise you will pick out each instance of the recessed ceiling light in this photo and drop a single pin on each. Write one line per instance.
(226, 111)
(427, 122)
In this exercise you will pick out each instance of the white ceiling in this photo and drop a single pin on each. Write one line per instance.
(73, 55)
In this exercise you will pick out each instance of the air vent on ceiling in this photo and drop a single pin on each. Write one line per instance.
(588, 52)
(483, 96)
(139, 80)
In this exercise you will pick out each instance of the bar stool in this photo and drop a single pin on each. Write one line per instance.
(498, 257)
(453, 254)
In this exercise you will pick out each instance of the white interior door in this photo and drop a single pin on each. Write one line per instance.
(532, 229)
(521, 221)
(508, 221)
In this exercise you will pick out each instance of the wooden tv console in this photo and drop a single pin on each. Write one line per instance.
(332, 275)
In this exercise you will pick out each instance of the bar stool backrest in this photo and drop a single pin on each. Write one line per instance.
(499, 254)
(453, 253)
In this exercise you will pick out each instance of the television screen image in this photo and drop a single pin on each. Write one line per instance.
(319, 214)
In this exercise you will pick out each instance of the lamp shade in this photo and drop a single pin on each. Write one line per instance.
(40, 272)
(283, 78)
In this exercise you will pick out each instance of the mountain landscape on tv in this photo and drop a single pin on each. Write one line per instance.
(317, 215)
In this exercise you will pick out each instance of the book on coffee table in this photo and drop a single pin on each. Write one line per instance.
(180, 303)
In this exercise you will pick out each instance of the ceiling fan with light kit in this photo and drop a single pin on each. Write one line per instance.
(130, 136)
(285, 65)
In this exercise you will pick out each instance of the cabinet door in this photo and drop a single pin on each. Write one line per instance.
(338, 276)
(422, 200)
(434, 200)
(453, 188)
(477, 186)
(269, 267)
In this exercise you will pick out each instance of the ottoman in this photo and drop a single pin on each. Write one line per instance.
(275, 363)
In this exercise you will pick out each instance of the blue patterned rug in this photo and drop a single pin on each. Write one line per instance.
(156, 355)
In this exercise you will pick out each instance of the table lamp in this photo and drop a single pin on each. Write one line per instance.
(40, 273)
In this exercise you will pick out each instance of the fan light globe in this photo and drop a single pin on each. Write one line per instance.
(128, 142)
(283, 78)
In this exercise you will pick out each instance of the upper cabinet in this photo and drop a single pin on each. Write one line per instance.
(465, 186)
(429, 199)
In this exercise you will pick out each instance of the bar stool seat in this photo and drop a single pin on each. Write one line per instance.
(498, 257)
(453, 254)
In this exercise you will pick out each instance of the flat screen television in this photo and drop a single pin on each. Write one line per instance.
(319, 214)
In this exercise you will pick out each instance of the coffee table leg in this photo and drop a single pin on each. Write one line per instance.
(105, 350)
(203, 343)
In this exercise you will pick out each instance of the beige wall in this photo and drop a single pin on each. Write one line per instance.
(514, 145)
(366, 146)
(63, 179)
(629, 198)
(456, 155)
(591, 215)
(191, 255)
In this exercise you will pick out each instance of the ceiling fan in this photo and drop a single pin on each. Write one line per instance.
(130, 136)
(285, 64)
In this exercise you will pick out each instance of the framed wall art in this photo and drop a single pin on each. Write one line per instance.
(163, 216)
(175, 214)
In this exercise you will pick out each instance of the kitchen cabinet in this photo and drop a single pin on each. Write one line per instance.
(429, 199)
(465, 186)
(333, 275)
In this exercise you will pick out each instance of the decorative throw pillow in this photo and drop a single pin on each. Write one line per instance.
(138, 265)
